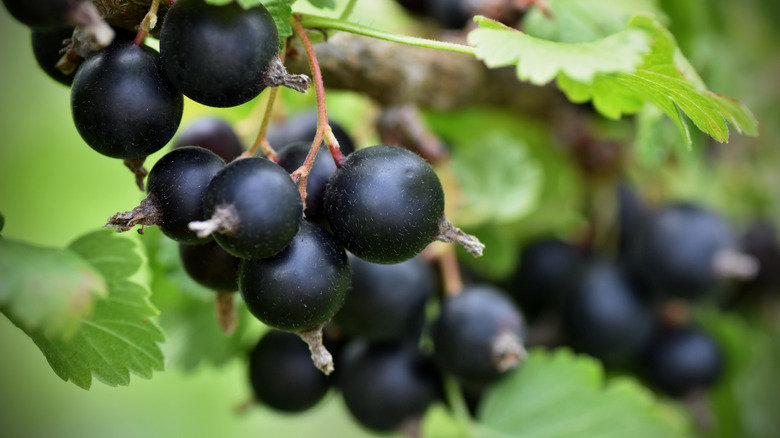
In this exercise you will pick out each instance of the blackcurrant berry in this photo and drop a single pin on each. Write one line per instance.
(255, 208)
(177, 183)
(211, 133)
(677, 248)
(449, 14)
(301, 287)
(302, 128)
(545, 265)
(40, 13)
(761, 242)
(603, 316)
(387, 386)
(683, 360)
(385, 204)
(218, 55)
(123, 104)
(210, 266)
(478, 334)
(386, 302)
(282, 374)
(632, 211)
(291, 157)
(47, 45)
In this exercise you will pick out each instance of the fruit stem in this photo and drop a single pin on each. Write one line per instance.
(86, 16)
(348, 10)
(453, 283)
(455, 399)
(450, 233)
(147, 24)
(301, 174)
(224, 220)
(146, 213)
(319, 354)
(260, 140)
(317, 22)
(225, 307)
(276, 75)
(137, 167)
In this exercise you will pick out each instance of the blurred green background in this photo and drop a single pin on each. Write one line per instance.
(54, 188)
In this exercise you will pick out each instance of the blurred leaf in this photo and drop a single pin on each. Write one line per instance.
(119, 336)
(47, 290)
(321, 4)
(744, 402)
(187, 311)
(539, 61)
(499, 180)
(579, 21)
(558, 394)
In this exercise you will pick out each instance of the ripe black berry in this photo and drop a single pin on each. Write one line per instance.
(178, 183)
(387, 386)
(603, 316)
(683, 360)
(218, 55)
(40, 13)
(282, 374)
(449, 14)
(210, 266)
(545, 265)
(386, 302)
(123, 104)
(255, 207)
(384, 204)
(211, 133)
(301, 287)
(291, 157)
(478, 335)
(761, 242)
(46, 45)
(675, 252)
(303, 127)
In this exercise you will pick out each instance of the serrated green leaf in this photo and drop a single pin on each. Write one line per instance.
(47, 289)
(557, 394)
(118, 337)
(322, 4)
(539, 61)
(281, 11)
(579, 21)
(187, 311)
(499, 180)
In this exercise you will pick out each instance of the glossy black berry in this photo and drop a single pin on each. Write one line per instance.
(633, 211)
(301, 287)
(761, 242)
(211, 133)
(47, 45)
(384, 204)
(386, 302)
(282, 374)
(218, 55)
(449, 14)
(545, 266)
(291, 157)
(263, 202)
(302, 128)
(603, 316)
(177, 183)
(478, 334)
(676, 249)
(683, 360)
(210, 266)
(40, 13)
(386, 385)
(123, 105)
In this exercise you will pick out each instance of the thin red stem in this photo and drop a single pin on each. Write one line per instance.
(146, 23)
(260, 140)
(453, 283)
(323, 129)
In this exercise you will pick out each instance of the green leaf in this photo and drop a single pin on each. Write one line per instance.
(281, 11)
(557, 394)
(47, 289)
(499, 180)
(322, 4)
(187, 311)
(118, 337)
(539, 61)
(618, 74)
(579, 21)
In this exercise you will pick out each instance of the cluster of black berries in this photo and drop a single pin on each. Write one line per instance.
(126, 98)
(633, 311)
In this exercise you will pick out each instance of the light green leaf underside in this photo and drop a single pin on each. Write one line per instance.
(118, 337)
(560, 395)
